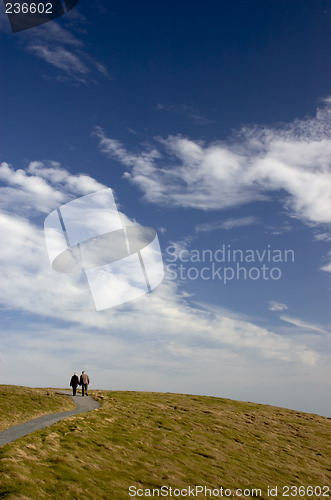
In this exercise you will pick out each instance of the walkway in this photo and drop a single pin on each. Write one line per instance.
(83, 404)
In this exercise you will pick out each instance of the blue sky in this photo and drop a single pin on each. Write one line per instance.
(211, 122)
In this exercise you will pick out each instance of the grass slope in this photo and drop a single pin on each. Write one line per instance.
(19, 404)
(151, 439)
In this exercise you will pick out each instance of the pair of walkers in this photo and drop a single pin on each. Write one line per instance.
(83, 381)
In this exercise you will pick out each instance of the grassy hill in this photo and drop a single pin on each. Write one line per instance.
(150, 440)
(19, 404)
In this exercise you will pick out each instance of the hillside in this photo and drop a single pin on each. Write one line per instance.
(19, 404)
(150, 440)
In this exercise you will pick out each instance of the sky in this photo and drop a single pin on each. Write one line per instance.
(211, 123)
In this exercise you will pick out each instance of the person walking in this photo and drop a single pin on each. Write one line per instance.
(84, 382)
(73, 383)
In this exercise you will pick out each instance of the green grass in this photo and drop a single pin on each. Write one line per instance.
(19, 404)
(151, 439)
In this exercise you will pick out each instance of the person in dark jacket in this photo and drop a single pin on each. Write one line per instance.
(84, 382)
(73, 383)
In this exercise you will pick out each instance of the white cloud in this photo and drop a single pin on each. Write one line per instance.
(60, 58)
(227, 224)
(326, 268)
(181, 247)
(293, 159)
(283, 228)
(303, 324)
(277, 306)
(53, 33)
(322, 237)
(30, 285)
(102, 69)
(59, 47)
(41, 187)
(190, 112)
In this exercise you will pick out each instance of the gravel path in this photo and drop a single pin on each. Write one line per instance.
(86, 403)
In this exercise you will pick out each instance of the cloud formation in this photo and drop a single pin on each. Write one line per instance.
(227, 224)
(291, 160)
(303, 324)
(59, 47)
(277, 306)
(190, 112)
(30, 285)
(327, 267)
(61, 58)
(41, 187)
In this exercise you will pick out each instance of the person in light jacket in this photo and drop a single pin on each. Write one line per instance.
(84, 382)
(73, 383)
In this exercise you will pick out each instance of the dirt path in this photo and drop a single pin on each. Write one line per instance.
(83, 404)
